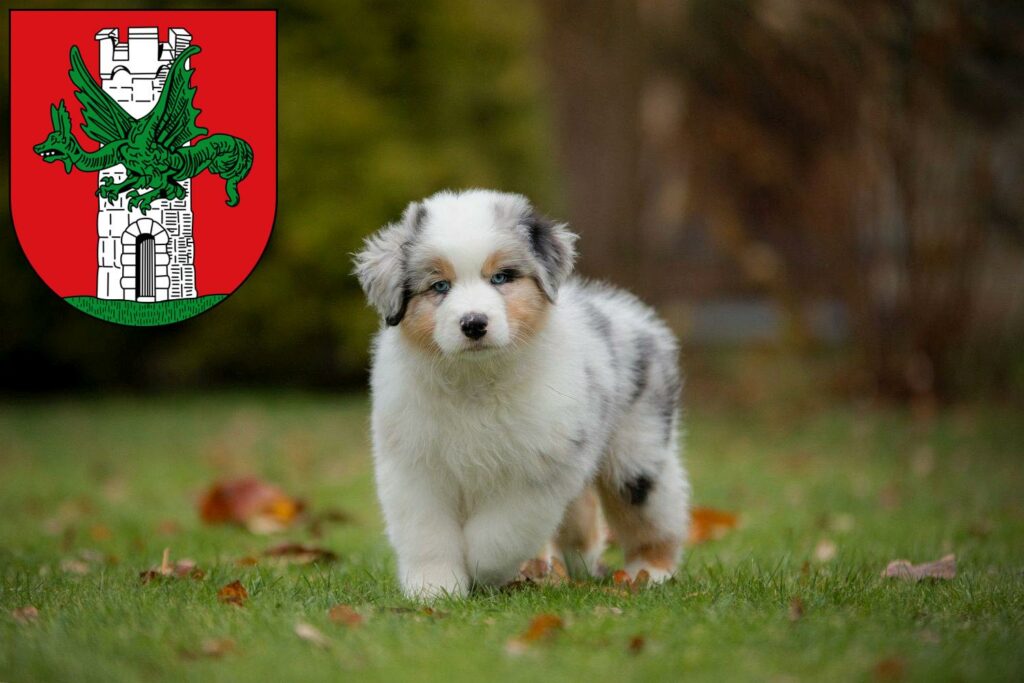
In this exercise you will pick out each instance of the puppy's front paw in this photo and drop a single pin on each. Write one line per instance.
(431, 583)
(655, 575)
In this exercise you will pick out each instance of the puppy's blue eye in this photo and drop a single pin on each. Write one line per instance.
(441, 286)
(500, 278)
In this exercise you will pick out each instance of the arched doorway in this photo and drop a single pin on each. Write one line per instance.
(145, 279)
(145, 261)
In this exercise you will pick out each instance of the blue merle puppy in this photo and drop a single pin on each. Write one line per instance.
(515, 408)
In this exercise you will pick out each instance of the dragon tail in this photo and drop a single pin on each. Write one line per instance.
(239, 171)
(233, 162)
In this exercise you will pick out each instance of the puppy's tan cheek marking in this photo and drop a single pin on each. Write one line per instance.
(661, 555)
(418, 324)
(525, 305)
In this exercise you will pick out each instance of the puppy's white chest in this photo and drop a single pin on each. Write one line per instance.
(488, 439)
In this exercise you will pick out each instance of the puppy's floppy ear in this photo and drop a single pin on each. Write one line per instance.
(381, 265)
(554, 247)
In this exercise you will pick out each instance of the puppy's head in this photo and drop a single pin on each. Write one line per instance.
(466, 271)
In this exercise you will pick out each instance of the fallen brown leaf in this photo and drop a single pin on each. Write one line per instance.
(636, 645)
(71, 565)
(333, 516)
(707, 524)
(311, 634)
(296, 553)
(217, 647)
(25, 615)
(233, 594)
(542, 627)
(347, 615)
(889, 669)
(825, 551)
(982, 528)
(260, 507)
(944, 569)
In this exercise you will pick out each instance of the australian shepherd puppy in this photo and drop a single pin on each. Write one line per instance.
(508, 398)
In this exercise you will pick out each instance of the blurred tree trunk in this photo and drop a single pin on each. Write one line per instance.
(594, 53)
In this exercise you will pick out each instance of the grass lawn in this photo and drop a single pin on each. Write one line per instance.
(144, 314)
(93, 490)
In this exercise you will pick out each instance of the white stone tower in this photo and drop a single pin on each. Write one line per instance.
(142, 257)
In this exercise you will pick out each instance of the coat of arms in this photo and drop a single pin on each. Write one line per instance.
(164, 249)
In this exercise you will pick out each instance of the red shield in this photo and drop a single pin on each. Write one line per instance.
(143, 155)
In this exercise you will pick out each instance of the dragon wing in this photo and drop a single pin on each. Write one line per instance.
(172, 122)
(105, 120)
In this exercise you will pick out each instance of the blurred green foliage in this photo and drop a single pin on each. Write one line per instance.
(388, 101)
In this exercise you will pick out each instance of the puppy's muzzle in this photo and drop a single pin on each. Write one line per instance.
(474, 325)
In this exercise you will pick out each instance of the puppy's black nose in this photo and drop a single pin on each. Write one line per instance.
(474, 325)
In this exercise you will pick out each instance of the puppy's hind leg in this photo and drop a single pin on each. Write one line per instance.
(645, 496)
(580, 539)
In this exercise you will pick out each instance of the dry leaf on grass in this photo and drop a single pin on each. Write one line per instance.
(70, 565)
(25, 615)
(211, 647)
(217, 647)
(940, 569)
(233, 594)
(825, 551)
(889, 669)
(347, 615)
(542, 627)
(260, 507)
(311, 634)
(636, 645)
(180, 569)
(708, 524)
(325, 517)
(296, 553)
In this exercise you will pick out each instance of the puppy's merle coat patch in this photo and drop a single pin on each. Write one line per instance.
(638, 488)
(491, 441)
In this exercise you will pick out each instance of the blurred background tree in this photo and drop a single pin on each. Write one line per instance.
(770, 173)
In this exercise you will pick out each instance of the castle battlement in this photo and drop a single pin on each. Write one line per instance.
(142, 54)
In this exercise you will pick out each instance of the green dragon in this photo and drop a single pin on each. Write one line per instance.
(153, 149)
